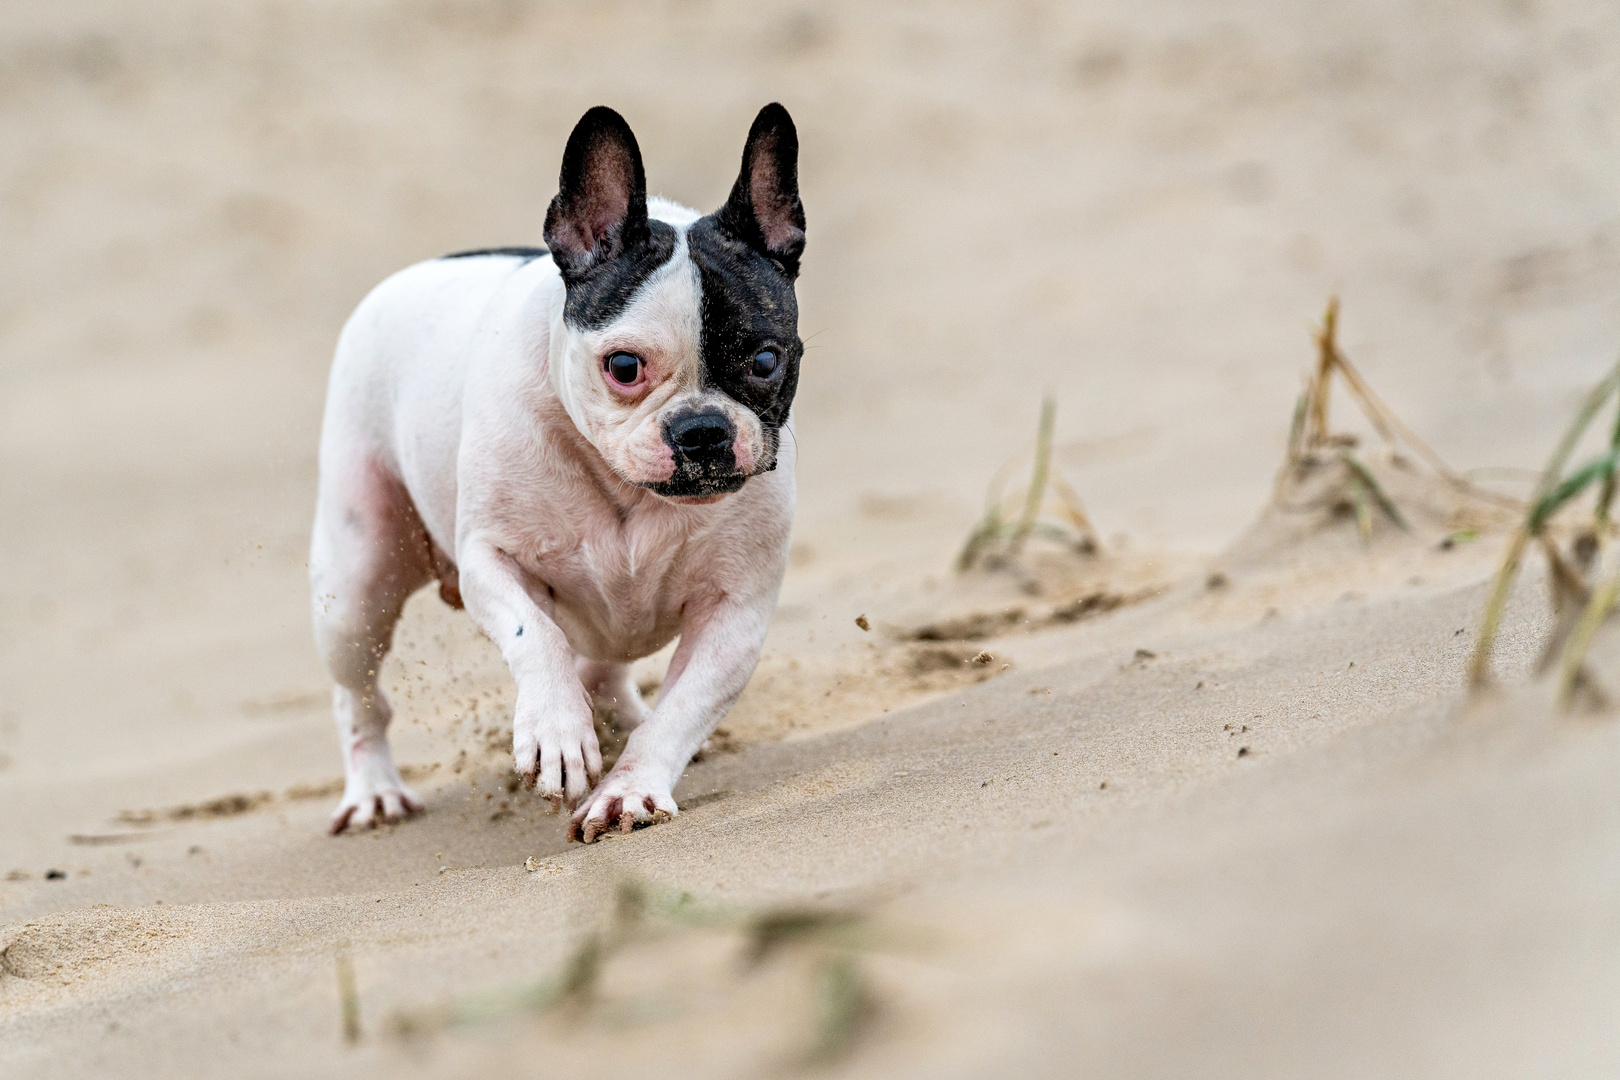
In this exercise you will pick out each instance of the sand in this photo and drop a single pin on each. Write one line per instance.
(1237, 815)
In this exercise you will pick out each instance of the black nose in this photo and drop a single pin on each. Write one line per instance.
(703, 436)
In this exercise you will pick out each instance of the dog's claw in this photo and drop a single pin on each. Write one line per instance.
(555, 752)
(371, 798)
(622, 804)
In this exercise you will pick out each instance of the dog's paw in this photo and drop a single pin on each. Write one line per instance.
(624, 802)
(556, 753)
(372, 793)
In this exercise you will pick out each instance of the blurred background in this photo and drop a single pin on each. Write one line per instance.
(1141, 206)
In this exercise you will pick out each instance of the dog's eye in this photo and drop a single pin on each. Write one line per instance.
(624, 367)
(765, 363)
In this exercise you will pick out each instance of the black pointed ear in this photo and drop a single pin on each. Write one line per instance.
(600, 211)
(764, 209)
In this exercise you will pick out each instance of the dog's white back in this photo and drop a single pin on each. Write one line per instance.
(585, 446)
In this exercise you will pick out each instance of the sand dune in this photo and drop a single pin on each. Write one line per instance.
(1218, 803)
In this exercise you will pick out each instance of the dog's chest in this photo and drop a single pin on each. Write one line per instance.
(619, 591)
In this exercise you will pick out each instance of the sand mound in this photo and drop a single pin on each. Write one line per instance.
(1194, 816)
(66, 951)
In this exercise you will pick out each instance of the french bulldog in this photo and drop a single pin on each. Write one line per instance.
(589, 446)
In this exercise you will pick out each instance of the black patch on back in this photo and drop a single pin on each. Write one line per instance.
(748, 304)
(602, 294)
(527, 254)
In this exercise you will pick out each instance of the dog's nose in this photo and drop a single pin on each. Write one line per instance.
(702, 436)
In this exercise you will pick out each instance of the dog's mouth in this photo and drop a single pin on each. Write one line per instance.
(697, 484)
(698, 488)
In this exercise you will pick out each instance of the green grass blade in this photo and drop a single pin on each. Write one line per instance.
(1376, 490)
(1037, 478)
(1583, 419)
(1572, 485)
(1296, 430)
(842, 1001)
(988, 529)
(1358, 499)
(1479, 668)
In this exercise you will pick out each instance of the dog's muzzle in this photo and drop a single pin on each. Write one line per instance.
(705, 462)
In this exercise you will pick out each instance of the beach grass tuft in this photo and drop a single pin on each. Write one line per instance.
(1556, 489)
(833, 940)
(1313, 444)
(1049, 509)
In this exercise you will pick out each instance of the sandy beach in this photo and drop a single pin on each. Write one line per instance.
(1213, 799)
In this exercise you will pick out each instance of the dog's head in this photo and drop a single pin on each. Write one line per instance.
(680, 350)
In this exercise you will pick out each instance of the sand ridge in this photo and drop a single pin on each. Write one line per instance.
(1215, 802)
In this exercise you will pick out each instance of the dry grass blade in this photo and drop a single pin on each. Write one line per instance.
(349, 995)
(1567, 587)
(1390, 426)
(1319, 391)
(1377, 413)
(1479, 668)
(1069, 503)
(1580, 639)
(1310, 433)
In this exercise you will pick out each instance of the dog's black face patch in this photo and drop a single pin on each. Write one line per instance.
(747, 254)
(602, 294)
(748, 307)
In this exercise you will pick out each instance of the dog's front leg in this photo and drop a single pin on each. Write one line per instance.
(719, 648)
(553, 739)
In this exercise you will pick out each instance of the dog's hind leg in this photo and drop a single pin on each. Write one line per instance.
(369, 553)
(612, 688)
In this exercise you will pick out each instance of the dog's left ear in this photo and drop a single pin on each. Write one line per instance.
(764, 209)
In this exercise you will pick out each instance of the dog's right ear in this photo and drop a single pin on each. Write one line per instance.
(600, 210)
(764, 210)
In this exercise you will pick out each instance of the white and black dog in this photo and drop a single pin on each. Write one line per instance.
(585, 446)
